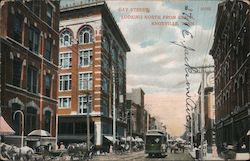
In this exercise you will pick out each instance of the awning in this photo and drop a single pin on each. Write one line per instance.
(139, 139)
(110, 138)
(5, 129)
(41, 133)
(129, 137)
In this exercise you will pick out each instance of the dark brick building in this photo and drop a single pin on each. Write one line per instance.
(231, 53)
(29, 63)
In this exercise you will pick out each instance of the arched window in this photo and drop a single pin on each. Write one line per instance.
(65, 38)
(86, 35)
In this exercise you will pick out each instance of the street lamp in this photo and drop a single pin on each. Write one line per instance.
(22, 117)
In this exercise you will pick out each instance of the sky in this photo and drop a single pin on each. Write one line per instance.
(154, 63)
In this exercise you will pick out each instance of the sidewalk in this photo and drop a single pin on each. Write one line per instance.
(209, 156)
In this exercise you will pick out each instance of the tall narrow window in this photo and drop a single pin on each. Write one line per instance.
(65, 38)
(84, 103)
(85, 81)
(32, 79)
(86, 35)
(48, 47)
(64, 82)
(47, 85)
(85, 58)
(34, 40)
(47, 120)
(16, 72)
(49, 14)
(30, 119)
(65, 60)
(17, 28)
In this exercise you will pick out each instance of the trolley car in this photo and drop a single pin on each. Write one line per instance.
(156, 141)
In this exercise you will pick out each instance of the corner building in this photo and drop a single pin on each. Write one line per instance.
(91, 46)
(231, 54)
(29, 64)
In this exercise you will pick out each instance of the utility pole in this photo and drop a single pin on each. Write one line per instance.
(201, 69)
(88, 126)
(114, 109)
(192, 132)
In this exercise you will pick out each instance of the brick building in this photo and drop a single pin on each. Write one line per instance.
(91, 45)
(231, 53)
(29, 64)
(136, 97)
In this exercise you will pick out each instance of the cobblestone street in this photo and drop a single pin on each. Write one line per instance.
(141, 156)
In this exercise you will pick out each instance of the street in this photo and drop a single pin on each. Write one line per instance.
(141, 156)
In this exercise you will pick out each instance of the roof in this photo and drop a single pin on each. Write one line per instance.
(107, 16)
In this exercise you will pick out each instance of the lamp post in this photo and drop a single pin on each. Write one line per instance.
(22, 117)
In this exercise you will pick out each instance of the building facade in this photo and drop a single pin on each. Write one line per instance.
(136, 97)
(29, 64)
(231, 54)
(92, 74)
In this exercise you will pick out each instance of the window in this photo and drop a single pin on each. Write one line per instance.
(16, 72)
(17, 28)
(47, 85)
(85, 58)
(47, 120)
(32, 79)
(106, 43)
(31, 115)
(65, 82)
(86, 35)
(65, 38)
(105, 64)
(49, 14)
(48, 47)
(34, 6)
(84, 103)
(105, 107)
(105, 85)
(85, 81)
(65, 60)
(64, 102)
(33, 40)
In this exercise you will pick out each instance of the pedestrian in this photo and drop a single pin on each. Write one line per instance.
(62, 147)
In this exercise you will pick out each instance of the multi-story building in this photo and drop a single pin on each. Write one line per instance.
(208, 116)
(137, 108)
(92, 74)
(231, 54)
(29, 65)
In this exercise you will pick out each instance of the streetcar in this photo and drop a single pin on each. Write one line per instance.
(156, 141)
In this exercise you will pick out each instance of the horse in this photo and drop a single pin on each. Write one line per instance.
(173, 147)
(14, 153)
(181, 147)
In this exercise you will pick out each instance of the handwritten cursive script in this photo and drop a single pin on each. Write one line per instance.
(190, 104)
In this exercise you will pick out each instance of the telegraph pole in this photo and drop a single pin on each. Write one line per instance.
(201, 69)
(114, 110)
(88, 126)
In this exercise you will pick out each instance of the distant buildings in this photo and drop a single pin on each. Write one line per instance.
(231, 53)
(29, 65)
(135, 100)
(91, 46)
